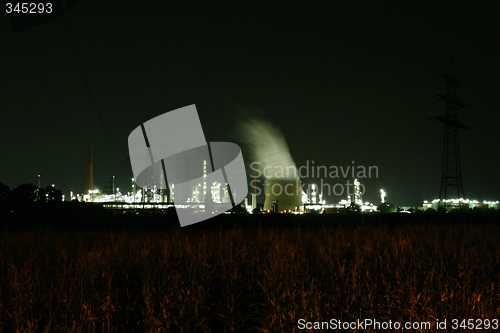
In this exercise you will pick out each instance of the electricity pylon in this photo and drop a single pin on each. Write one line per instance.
(451, 179)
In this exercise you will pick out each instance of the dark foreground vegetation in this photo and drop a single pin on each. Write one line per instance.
(86, 270)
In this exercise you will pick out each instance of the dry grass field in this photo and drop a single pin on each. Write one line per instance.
(246, 279)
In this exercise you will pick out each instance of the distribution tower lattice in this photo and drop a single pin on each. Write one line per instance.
(451, 179)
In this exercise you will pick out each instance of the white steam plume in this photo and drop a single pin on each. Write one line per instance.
(268, 147)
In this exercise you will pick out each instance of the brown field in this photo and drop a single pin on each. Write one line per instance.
(238, 279)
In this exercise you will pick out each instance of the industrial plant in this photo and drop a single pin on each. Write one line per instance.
(281, 196)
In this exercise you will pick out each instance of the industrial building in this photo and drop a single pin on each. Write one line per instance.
(286, 196)
(452, 204)
(152, 198)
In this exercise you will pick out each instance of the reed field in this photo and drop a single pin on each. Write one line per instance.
(237, 278)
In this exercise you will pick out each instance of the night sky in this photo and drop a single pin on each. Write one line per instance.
(343, 80)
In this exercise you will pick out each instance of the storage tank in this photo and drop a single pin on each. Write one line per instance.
(287, 193)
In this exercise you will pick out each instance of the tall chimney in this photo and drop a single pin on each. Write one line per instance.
(89, 183)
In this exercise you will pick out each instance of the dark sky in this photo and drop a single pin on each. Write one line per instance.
(343, 80)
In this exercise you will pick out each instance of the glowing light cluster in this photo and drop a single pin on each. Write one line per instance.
(461, 201)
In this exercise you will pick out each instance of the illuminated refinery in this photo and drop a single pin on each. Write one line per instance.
(458, 203)
(281, 196)
(152, 198)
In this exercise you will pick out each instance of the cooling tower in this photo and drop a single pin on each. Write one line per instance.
(89, 182)
(286, 192)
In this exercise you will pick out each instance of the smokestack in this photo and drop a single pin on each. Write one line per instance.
(89, 183)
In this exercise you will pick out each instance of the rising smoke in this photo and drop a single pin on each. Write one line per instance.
(267, 145)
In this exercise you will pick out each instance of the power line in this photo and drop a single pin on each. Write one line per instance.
(88, 88)
(207, 51)
(54, 95)
(177, 60)
(384, 123)
(166, 29)
(350, 140)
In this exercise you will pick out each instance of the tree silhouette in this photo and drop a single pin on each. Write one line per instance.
(4, 193)
(23, 196)
(238, 210)
(50, 194)
(387, 208)
(25, 193)
(4, 198)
